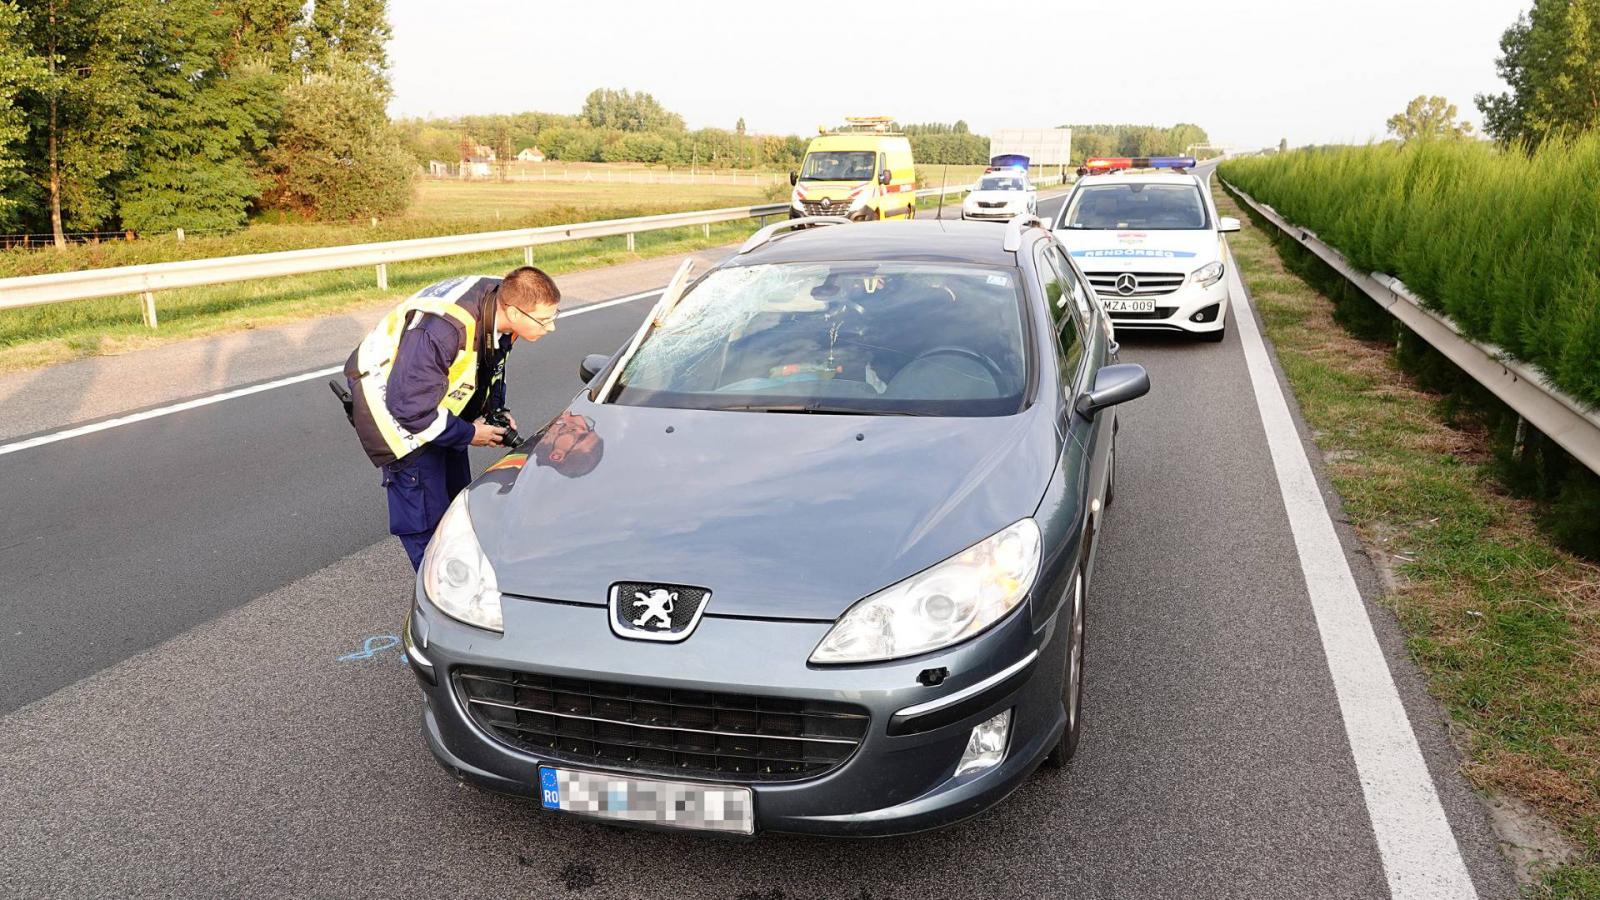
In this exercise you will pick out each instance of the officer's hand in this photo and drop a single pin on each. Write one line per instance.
(486, 435)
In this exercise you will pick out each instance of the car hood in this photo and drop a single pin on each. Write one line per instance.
(1140, 251)
(1018, 197)
(780, 515)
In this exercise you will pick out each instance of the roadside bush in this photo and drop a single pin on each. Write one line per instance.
(1527, 462)
(1504, 242)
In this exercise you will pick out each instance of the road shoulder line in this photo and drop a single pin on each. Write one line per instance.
(1420, 855)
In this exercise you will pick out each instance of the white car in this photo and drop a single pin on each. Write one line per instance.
(1000, 196)
(1151, 246)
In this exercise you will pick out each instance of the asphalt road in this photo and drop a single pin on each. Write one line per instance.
(201, 697)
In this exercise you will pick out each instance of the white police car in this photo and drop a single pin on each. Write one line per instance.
(1150, 244)
(1000, 195)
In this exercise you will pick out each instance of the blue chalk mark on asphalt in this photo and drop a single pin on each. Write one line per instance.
(372, 646)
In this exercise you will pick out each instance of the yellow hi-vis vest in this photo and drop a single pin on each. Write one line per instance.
(375, 358)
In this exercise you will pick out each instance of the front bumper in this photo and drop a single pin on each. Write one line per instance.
(1191, 309)
(1004, 214)
(894, 782)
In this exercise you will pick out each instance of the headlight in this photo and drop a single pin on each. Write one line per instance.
(941, 605)
(1208, 274)
(456, 575)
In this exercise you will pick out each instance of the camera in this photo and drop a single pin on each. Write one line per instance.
(499, 418)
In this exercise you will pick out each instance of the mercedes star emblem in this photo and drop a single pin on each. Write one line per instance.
(1126, 284)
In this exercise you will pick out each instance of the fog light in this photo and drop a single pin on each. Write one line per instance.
(986, 746)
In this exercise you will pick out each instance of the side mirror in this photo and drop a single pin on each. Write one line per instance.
(1227, 223)
(884, 177)
(592, 365)
(794, 178)
(1113, 385)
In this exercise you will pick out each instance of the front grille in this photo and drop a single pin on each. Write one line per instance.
(815, 208)
(997, 204)
(661, 731)
(1149, 284)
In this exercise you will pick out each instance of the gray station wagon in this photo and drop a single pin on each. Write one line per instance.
(809, 554)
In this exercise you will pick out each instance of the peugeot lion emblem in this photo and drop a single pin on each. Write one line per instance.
(1126, 284)
(657, 604)
(644, 611)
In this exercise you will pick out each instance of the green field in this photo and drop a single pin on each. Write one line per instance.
(440, 208)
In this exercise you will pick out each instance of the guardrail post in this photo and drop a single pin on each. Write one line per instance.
(180, 235)
(527, 255)
(383, 276)
(147, 308)
(707, 228)
(630, 242)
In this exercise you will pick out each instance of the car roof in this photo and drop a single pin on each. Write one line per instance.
(919, 240)
(1141, 177)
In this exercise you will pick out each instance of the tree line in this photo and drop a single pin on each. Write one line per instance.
(152, 116)
(1134, 140)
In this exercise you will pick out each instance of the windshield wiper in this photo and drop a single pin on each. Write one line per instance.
(817, 409)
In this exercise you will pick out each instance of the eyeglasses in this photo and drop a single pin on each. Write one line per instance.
(548, 323)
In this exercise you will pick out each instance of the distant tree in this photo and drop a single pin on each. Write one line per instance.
(1427, 118)
(18, 70)
(627, 111)
(1551, 60)
(336, 156)
(738, 127)
(1283, 145)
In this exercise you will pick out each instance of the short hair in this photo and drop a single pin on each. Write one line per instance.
(528, 288)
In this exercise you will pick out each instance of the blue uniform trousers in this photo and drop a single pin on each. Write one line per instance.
(420, 487)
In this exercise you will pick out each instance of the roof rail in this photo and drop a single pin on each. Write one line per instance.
(1014, 227)
(767, 233)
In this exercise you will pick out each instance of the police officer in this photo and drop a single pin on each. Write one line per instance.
(422, 380)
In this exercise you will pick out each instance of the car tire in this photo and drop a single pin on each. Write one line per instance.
(1071, 682)
(911, 211)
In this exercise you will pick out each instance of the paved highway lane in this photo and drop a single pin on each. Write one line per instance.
(118, 540)
(271, 745)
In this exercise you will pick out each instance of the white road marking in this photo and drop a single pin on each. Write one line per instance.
(196, 403)
(1420, 856)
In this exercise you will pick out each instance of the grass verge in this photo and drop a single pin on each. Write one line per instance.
(44, 335)
(1505, 625)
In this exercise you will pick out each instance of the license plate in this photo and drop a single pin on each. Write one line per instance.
(646, 801)
(1130, 306)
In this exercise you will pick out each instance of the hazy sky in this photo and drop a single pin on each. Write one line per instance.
(1248, 71)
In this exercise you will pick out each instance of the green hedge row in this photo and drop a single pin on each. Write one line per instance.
(1504, 242)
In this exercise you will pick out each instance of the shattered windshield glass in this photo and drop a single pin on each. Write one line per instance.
(858, 337)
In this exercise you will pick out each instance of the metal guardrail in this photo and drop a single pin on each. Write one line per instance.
(145, 280)
(1541, 404)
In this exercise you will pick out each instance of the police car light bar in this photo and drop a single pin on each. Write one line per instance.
(1114, 163)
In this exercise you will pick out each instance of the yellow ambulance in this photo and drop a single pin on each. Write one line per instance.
(862, 171)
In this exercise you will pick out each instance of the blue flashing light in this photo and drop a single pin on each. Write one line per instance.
(1172, 162)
